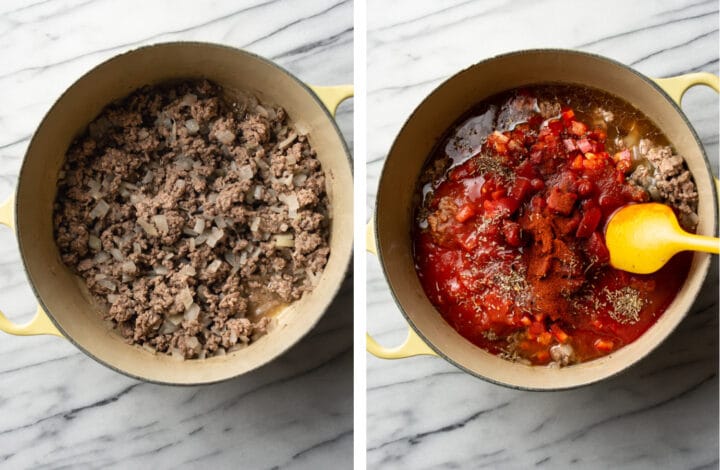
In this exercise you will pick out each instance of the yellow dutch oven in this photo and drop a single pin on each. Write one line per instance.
(65, 306)
(389, 234)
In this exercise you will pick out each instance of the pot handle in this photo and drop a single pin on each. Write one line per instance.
(676, 87)
(40, 324)
(413, 345)
(332, 96)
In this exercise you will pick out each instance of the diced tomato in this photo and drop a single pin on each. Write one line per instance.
(585, 187)
(577, 163)
(568, 115)
(596, 248)
(537, 184)
(520, 188)
(578, 128)
(542, 356)
(561, 202)
(555, 126)
(465, 213)
(589, 222)
(525, 320)
(511, 232)
(537, 328)
(497, 194)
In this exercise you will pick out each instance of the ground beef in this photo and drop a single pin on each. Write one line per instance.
(178, 208)
(667, 179)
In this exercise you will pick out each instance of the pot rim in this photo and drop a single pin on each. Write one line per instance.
(521, 52)
(279, 69)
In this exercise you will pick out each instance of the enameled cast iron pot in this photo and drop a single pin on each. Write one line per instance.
(429, 333)
(65, 308)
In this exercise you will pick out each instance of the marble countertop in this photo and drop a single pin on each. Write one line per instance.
(60, 409)
(425, 413)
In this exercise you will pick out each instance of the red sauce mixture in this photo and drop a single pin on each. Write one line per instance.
(509, 243)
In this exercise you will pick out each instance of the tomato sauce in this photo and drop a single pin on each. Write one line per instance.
(508, 241)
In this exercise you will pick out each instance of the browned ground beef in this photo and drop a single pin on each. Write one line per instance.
(185, 214)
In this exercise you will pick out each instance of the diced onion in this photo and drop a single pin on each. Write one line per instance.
(148, 227)
(188, 270)
(199, 226)
(112, 298)
(214, 266)
(219, 222)
(192, 126)
(129, 267)
(188, 100)
(192, 312)
(183, 163)
(148, 177)
(192, 342)
(100, 209)
(284, 240)
(245, 172)
(255, 224)
(291, 201)
(215, 236)
(177, 354)
(289, 140)
(185, 297)
(117, 254)
(225, 136)
(161, 223)
(168, 328)
(137, 249)
(101, 257)
(299, 180)
(94, 186)
(220, 352)
(94, 243)
(161, 270)
(175, 319)
(109, 285)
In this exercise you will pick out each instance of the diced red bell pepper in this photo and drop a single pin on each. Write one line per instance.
(466, 212)
(578, 128)
(589, 222)
(561, 202)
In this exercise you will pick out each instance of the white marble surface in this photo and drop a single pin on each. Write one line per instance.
(425, 413)
(60, 409)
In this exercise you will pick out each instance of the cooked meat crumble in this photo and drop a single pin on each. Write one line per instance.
(188, 215)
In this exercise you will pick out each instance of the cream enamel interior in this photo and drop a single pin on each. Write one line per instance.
(414, 143)
(59, 290)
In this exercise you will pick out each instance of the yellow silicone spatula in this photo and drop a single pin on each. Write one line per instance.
(641, 238)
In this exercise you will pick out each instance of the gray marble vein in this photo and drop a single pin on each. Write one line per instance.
(423, 412)
(60, 409)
